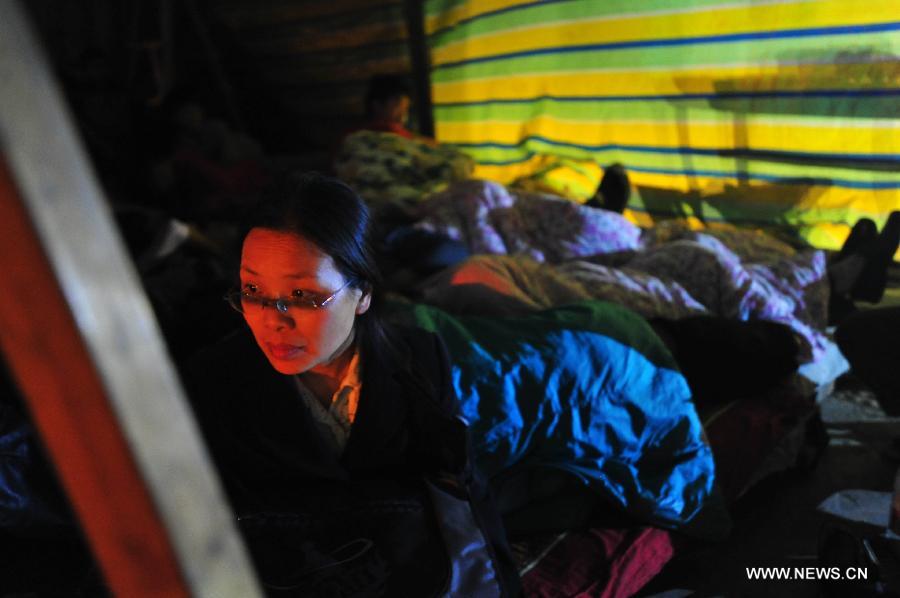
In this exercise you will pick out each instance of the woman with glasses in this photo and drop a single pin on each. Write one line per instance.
(337, 436)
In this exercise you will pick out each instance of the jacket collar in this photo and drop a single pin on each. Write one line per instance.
(381, 414)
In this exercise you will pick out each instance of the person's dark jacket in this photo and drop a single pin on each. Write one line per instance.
(293, 496)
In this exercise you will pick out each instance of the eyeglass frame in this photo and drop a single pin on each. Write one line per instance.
(281, 304)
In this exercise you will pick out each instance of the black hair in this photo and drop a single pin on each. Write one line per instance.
(385, 87)
(330, 214)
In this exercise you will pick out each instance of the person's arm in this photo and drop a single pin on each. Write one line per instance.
(209, 389)
(448, 443)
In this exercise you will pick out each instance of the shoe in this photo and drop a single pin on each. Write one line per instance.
(890, 235)
(863, 233)
(614, 190)
(879, 254)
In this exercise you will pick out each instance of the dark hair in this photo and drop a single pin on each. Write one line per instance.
(385, 87)
(330, 215)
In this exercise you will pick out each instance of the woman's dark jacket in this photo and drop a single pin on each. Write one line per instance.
(286, 486)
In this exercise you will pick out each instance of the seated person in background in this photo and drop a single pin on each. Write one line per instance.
(387, 102)
(206, 170)
(338, 437)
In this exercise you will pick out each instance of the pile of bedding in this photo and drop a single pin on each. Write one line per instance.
(542, 251)
(557, 251)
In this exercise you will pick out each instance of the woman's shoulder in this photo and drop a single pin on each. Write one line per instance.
(423, 367)
(415, 347)
(413, 336)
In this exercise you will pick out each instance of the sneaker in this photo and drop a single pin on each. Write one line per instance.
(879, 254)
(614, 190)
(863, 232)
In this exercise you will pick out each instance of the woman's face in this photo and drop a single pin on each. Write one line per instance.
(278, 264)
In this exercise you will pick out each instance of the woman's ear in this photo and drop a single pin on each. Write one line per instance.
(365, 301)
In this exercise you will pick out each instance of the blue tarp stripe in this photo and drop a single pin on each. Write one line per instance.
(812, 93)
(682, 150)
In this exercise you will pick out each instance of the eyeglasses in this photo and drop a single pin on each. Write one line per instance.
(244, 301)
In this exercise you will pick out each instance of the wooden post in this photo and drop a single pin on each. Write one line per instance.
(68, 404)
(421, 63)
(82, 343)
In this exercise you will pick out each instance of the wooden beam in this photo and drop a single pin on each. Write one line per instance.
(82, 342)
(420, 57)
(68, 404)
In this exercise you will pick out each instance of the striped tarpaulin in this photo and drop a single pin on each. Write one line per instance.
(768, 111)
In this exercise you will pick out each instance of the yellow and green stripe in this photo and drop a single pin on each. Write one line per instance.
(792, 103)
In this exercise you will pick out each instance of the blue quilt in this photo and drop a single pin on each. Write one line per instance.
(587, 388)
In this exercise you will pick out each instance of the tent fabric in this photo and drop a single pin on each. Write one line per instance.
(772, 111)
